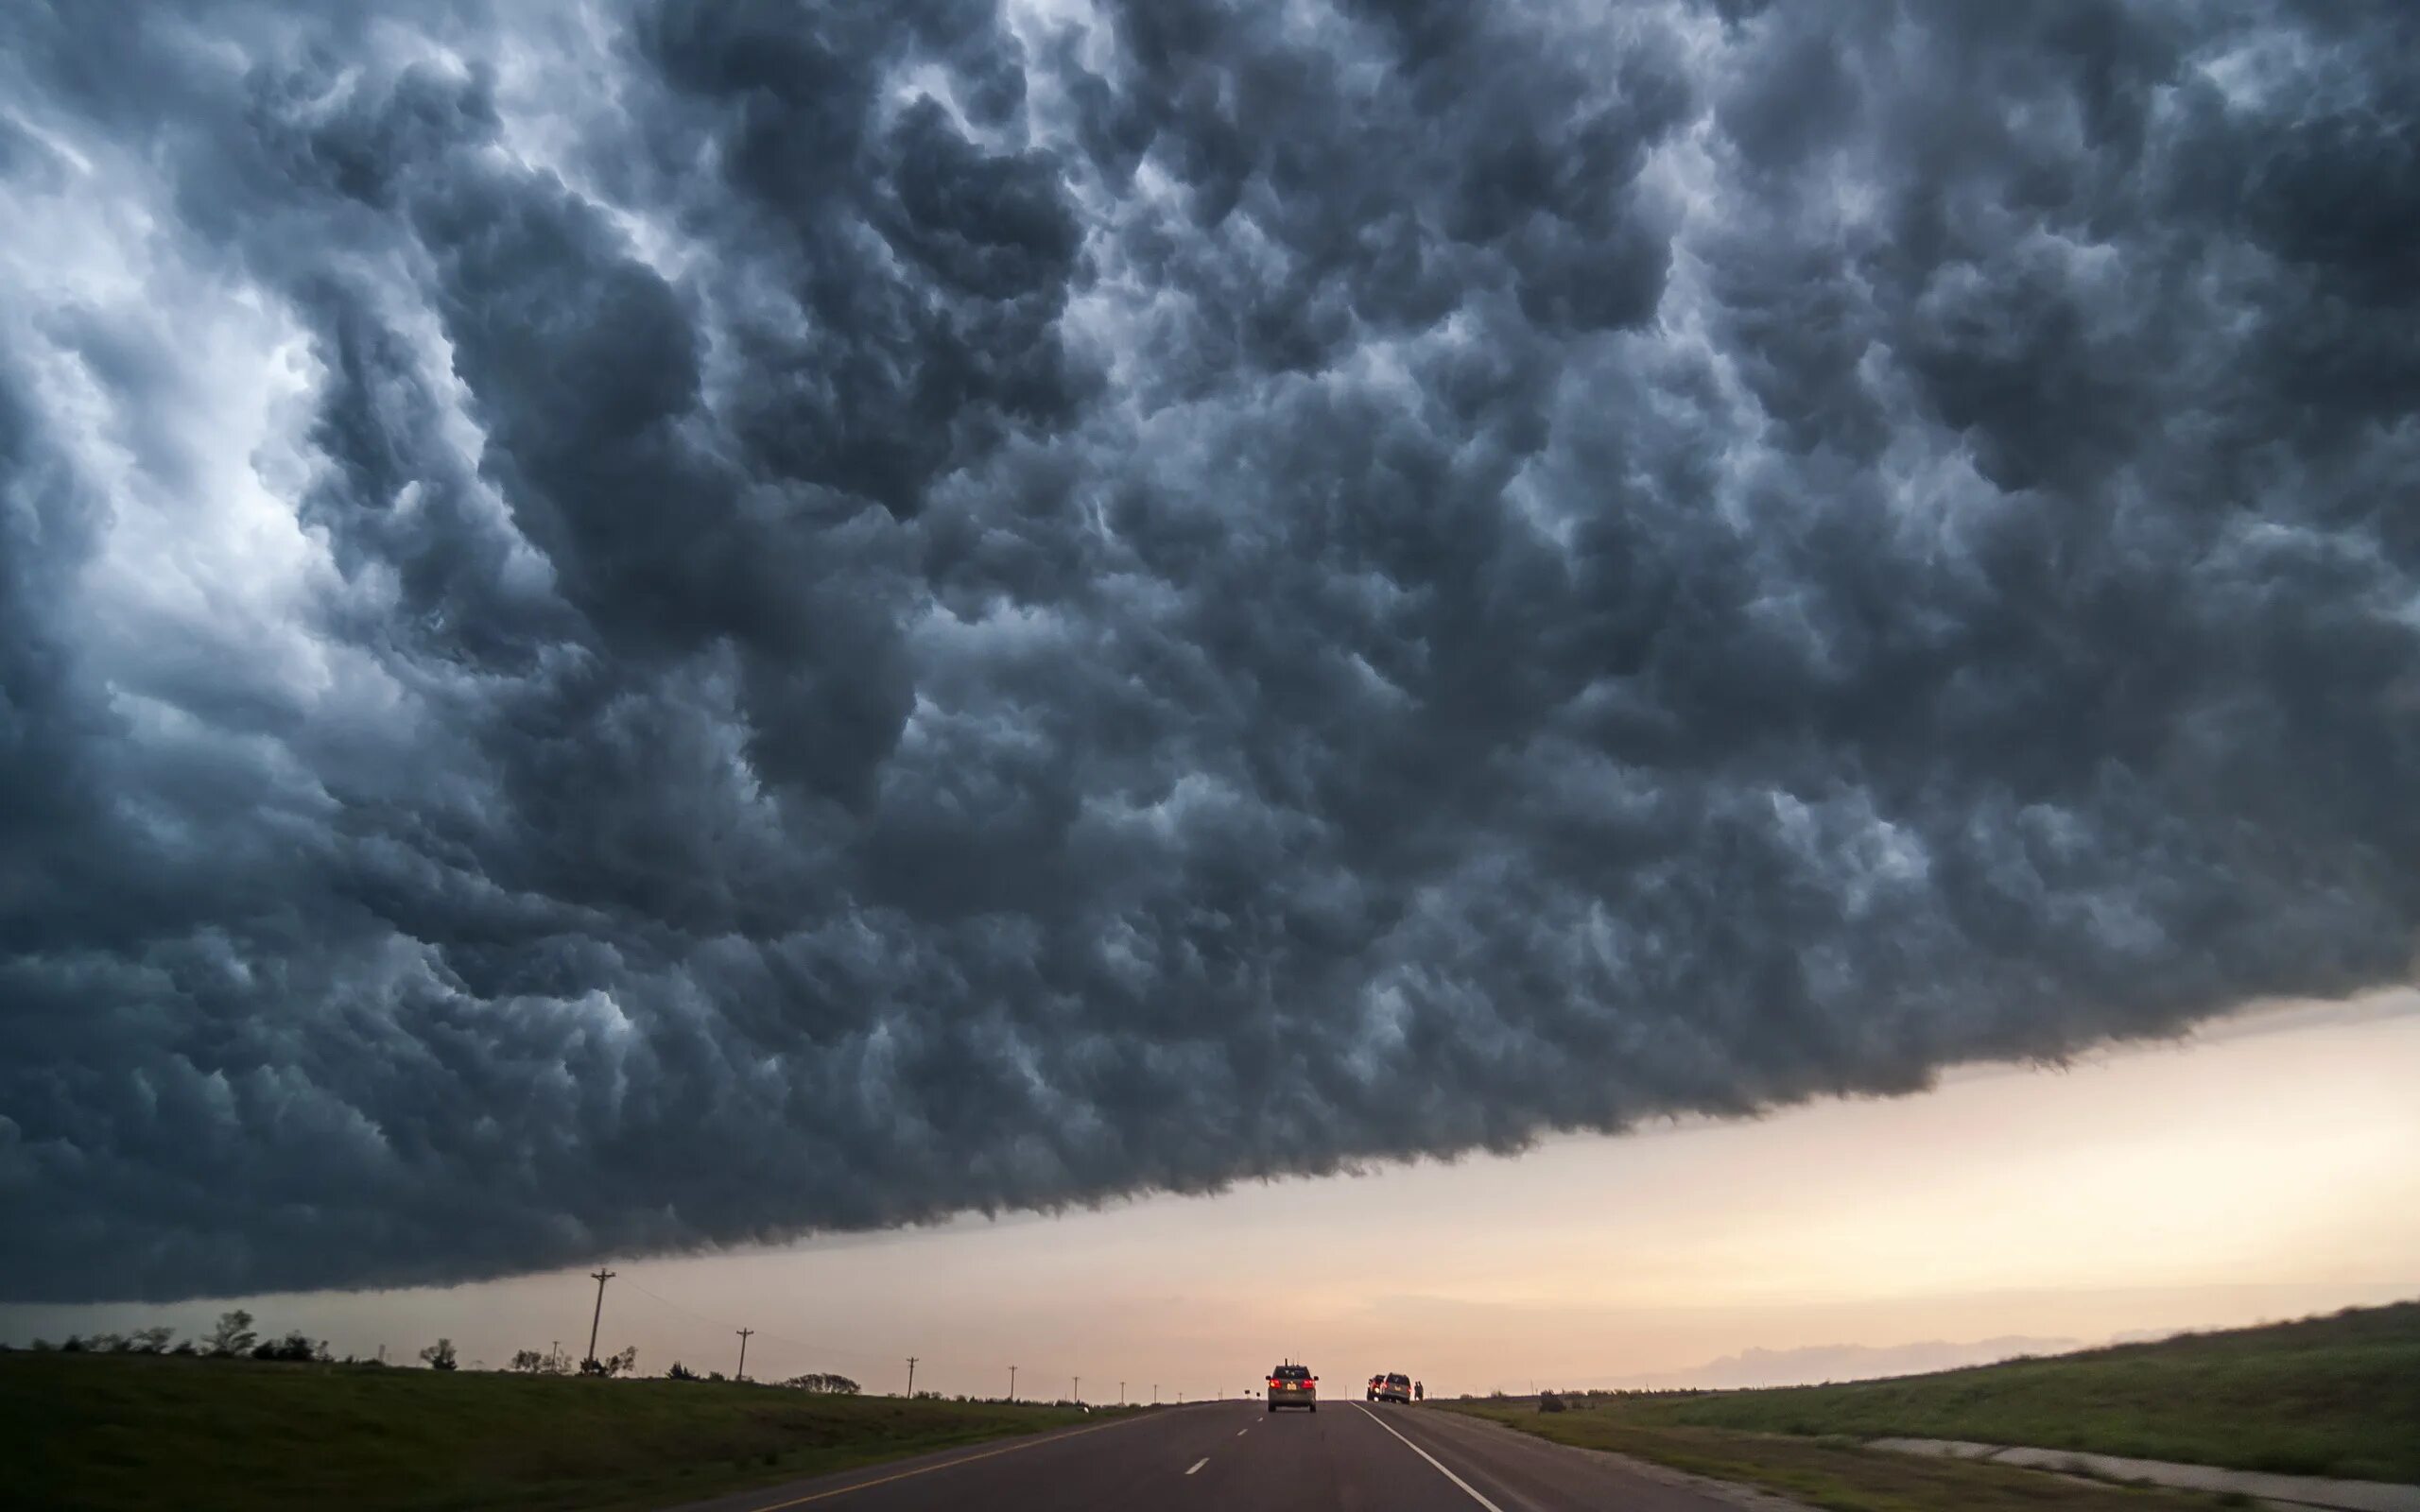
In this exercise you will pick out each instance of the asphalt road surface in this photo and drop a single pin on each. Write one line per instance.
(1346, 1457)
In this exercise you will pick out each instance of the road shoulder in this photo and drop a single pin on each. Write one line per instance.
(2285, 1491)
(1825, 1472)
(1499, 1455)
(781, 1496)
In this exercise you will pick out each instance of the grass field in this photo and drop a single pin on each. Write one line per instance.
(1837, 1474)
(116, 1431)
(2331, 1396)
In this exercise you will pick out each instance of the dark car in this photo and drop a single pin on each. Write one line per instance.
(1395, 1388)
(1293, 1385)
(1376, 1381)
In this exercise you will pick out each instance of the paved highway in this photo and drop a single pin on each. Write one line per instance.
(1346, 1457)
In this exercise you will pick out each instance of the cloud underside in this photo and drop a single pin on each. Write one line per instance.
(628, 628)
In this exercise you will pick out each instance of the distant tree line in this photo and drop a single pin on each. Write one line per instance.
(233, 1337)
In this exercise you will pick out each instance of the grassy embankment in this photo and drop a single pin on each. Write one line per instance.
(111, 1431)
(2332, 1396)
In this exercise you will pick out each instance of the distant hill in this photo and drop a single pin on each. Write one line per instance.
(1837, 1362)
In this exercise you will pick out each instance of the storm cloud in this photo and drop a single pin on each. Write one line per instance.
(633, 628)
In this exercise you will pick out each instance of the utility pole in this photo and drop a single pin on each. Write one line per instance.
(911, 1378)
(1121, 1393)
(743, 1352)
(1155, 1393)
(601, 1276)
(1013, 1383)
(1080, 1390)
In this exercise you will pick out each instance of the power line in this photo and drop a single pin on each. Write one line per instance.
(809, 1346)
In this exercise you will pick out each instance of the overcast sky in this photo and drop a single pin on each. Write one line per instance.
(626, 628)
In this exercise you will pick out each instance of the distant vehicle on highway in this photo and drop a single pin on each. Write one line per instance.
(1394, 1387)
(1293, 1385)
(1376, 1381)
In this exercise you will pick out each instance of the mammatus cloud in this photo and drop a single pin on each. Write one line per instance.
(631, 627)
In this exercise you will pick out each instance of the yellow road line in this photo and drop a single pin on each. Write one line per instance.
(947, 1464)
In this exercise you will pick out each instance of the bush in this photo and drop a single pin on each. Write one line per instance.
(680, 1372)
(294, 1347)
(1548, 1401)
(439, 1356)
(836, 1386)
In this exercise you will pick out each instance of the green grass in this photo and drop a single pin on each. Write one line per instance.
(2328, 1396)
(111, 1432)
(1837, 1474)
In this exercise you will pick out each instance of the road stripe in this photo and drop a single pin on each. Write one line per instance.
(1468, 1490)
(948, 1464)
(1198, 1463)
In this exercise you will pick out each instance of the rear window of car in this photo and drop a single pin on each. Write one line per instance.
(1292, 1372)
(1398, 1381)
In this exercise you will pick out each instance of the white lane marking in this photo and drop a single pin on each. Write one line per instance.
(1241, 1432)
(1198, 1463)
(1467, 1488)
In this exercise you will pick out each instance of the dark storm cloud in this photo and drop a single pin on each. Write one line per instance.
(636, 628)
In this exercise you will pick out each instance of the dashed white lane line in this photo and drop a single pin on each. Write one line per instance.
(1466, 1487)
(1241, 1432)
(946, 1464)
(1198, 1463)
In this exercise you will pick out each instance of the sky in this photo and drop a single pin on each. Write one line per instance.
(636, 629)
(2266, 1168)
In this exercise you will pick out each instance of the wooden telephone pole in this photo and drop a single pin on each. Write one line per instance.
(600, 1276)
